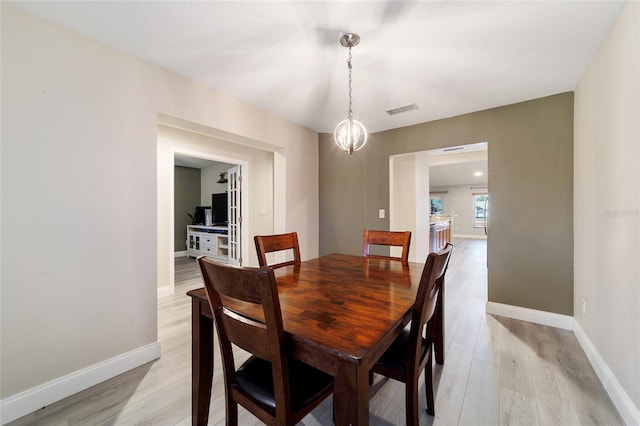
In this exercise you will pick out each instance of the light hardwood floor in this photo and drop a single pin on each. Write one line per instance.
(497, 371)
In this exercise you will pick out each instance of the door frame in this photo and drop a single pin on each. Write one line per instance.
(244, 199)
(165, 180)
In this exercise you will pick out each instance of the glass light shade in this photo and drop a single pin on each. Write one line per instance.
(350, 135)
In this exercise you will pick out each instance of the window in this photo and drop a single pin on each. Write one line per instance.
(480, 209)
(436, 205)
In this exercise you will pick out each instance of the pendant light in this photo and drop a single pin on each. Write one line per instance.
(350, 135)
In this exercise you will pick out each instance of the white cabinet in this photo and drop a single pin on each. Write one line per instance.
(210, 241)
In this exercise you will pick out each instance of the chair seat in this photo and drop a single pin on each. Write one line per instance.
(255, 379)
(395, 358)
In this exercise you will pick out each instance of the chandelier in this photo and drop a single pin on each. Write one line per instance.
(350, 135)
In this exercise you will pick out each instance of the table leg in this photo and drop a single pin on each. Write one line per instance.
(351, 396)
(201, 364)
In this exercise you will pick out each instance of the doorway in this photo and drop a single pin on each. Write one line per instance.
(264, 207)
(446, 180)
(208, 193)
(215, 174)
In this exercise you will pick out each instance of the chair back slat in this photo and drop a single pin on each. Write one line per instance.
(246, 333)
(386, 238)
(275, 243)
(246, 307)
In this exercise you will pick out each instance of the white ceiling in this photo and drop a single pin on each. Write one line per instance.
(459, 165)
(193, 162)
(458, 174)
(448, 57)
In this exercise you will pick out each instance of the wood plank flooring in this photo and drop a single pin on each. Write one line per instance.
(497, 371)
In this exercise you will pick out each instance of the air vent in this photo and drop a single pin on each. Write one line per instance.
(402, 109)
(457, 148)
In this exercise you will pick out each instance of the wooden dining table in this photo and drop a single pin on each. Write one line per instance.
(340, 313)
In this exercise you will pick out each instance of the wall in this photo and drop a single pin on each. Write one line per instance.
(210, 177)
(607, 218)
(403, 202)
(80, 166)
(458, 201)
(186, 189)
(530, 164)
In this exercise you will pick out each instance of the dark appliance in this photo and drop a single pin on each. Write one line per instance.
(219, 208)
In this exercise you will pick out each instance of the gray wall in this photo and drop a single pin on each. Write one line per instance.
(530, 248)
(186, 184)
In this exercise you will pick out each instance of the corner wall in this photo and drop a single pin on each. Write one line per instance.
(607, 212)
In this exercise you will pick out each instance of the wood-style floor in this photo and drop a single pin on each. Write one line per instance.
(497, 371)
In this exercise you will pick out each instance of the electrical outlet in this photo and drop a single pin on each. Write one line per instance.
(583, 307)
(380, 213)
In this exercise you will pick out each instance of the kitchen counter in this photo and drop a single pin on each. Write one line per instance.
(440, 227)
(440, 218)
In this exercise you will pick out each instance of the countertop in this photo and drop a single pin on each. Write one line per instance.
(440, 218)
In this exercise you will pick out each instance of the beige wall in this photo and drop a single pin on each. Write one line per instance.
(402, 199)
(79, 195)
(607, 198)
(530, 245)
(210, 176)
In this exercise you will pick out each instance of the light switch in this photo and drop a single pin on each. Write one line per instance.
(381, 213)
(263, 210)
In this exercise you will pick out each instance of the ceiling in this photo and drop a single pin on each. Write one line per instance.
(458, 174)
(447, 57)
(193, 162)
(458, 165)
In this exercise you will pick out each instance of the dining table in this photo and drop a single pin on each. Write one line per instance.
(340, 313)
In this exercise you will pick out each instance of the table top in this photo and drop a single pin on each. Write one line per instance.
(345, 305)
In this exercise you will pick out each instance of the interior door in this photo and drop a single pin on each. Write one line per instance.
(234, 187)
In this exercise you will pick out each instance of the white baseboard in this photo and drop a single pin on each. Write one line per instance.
(166, 290)
(33, 399)
(627, 409)
(180, 254)
(531, 315)
(470, 236)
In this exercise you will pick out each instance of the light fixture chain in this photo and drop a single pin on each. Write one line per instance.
(349, 111)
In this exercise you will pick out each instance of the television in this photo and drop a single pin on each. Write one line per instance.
(219, 208)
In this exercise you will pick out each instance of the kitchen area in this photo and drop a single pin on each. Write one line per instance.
(440, 231)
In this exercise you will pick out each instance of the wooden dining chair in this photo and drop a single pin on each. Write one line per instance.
(272, 243)
(273, 387)
(386, 238)
(412, 351)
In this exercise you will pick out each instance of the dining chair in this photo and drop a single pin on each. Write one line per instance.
(272, 243)
(412, 350)
(386, 238)
(273, 387)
